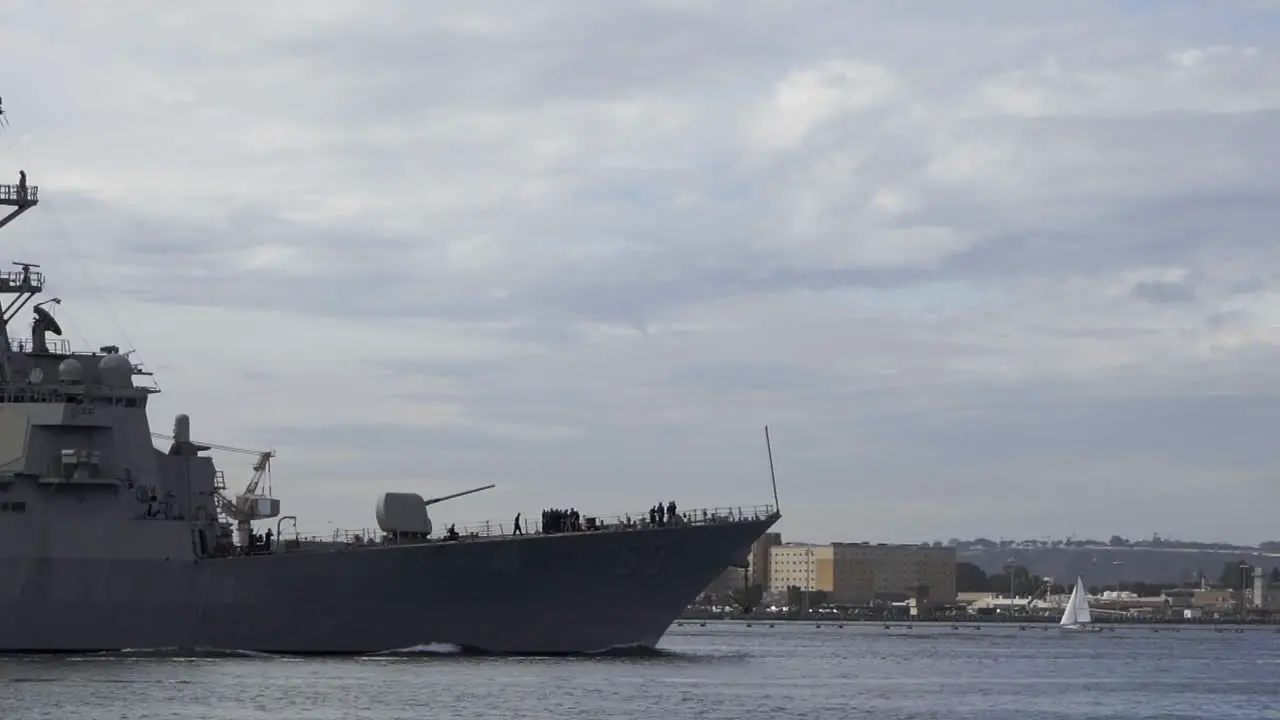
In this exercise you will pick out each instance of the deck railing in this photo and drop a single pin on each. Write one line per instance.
(532, 526)
(57, 346)
(11, 194)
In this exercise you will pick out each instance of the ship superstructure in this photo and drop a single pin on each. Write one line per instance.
(108, 542)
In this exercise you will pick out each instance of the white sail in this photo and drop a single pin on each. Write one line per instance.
(1081, 598)
(1077, 611)
(1069, 612)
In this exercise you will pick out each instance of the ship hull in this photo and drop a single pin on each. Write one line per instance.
(538, 594)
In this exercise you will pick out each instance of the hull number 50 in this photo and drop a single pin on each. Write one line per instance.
(636, 560)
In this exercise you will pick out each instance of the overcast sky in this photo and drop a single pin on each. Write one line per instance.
(985, 268)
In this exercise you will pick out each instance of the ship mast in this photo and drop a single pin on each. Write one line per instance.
(22, 284)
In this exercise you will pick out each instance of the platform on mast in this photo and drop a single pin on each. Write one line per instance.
(25, 280)
(19, 197)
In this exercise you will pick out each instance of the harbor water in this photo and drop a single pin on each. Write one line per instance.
(723, 671)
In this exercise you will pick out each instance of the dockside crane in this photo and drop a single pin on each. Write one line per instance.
(252, 503)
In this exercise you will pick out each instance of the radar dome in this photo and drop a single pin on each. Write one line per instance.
(115, 370)
(70, 371)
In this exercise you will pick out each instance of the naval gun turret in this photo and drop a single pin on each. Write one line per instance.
(404, 515)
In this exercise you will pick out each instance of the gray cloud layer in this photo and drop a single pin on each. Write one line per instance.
(999, 269)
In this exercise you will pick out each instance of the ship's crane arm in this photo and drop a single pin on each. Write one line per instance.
(221, 448)
(261, 469)
(225, 506)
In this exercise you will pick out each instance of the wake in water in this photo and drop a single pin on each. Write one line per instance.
(430, 650)
(142, 654)
(446, 649)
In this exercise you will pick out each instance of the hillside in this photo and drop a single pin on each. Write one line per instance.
(1105, 564)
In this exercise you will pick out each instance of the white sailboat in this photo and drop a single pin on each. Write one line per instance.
(1076, 615)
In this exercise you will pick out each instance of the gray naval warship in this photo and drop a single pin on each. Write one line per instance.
(108, 542)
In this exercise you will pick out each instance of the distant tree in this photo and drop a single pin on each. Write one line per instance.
(1117, 541)
(795, 597)
(970, 578)
(1153, 589)
(1141, 589)
(1233, 576)
(1270, 545)
(1023, 584)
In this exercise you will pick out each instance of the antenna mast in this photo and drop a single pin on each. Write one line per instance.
(23, 284)
(772, 477)
(19, 197)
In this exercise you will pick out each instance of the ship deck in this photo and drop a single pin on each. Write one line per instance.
(495, 531)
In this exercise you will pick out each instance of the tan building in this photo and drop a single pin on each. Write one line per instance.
(860, 573)
(1215, 600)
(796, 565)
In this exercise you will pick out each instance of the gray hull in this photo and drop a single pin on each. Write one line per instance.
(563, 593)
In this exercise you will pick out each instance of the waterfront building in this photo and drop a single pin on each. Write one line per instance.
(863, 573)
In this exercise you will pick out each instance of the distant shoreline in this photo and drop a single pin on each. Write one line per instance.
(967, 620)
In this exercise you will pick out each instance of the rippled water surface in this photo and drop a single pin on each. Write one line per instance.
(718, 671)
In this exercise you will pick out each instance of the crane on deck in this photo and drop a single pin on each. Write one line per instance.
(251, 503)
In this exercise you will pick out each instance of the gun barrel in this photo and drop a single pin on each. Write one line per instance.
(442, 498)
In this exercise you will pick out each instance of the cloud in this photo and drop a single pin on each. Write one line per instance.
(1000, 269)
